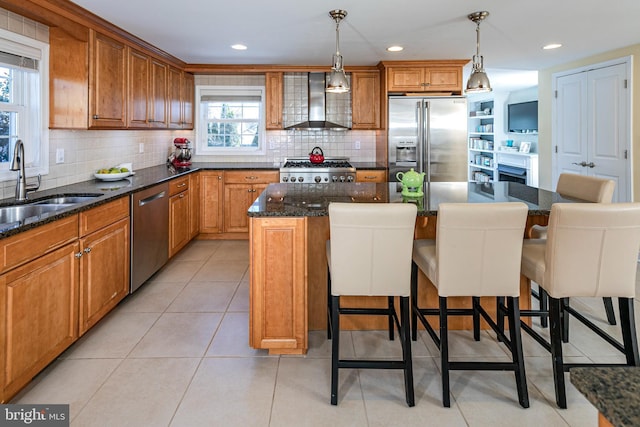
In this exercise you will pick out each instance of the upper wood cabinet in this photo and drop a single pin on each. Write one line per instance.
(187, 95)
(107, 82)
(180, 103)
(274, 85)
(365, 100)
(138, 111)
(158, 101)
(423, 76)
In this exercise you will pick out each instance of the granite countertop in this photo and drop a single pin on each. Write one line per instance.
(111, 190)
(614, 391)
(300, 200)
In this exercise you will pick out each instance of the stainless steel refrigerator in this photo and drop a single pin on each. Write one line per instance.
(428, 135)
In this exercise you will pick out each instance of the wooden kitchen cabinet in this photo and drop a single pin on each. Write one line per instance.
(107, 82)
(187, 95)
(179, 214)
(274, 87)
(139, 95)
(181, 92)
(278, 319)
(194, 200)
(158, 91)
(104, 264)
(365, 99)
(241, 189)
(38, 300)
(424, 76)
(211, 202)
(372, 175)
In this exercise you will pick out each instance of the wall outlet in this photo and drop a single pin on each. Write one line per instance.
(357, 145)
(59, 155)
(141, 148)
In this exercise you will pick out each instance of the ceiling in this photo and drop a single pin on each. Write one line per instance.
(295, 32)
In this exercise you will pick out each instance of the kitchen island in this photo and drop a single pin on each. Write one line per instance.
(289, 226)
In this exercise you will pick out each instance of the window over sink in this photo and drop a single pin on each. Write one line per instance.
(230, 120)
(24, 68)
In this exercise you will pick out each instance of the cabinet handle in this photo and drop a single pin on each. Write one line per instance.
(251, 177)
(78, 255)
(95, 117)
(181, 185)
(181, 196)
(87, 250)
(219, 176)
(369, 177)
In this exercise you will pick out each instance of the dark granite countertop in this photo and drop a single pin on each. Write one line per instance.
(368, 165)
(614, 391)
(299, 200)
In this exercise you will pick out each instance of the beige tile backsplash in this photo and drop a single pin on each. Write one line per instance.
(85, 151)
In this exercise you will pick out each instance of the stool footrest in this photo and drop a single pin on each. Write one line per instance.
(482, 366)
(371, 364)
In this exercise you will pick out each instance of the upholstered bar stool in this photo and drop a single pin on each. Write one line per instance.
(462, 261)
(369, 254)
(589, 189)
(591, 250)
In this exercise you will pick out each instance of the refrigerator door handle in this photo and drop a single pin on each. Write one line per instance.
(420, 147)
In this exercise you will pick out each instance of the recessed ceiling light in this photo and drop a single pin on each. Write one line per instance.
(238, 47)
(395, 48)
(552, 46)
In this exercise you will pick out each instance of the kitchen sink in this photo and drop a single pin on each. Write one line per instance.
(14, 216)
(69, 199)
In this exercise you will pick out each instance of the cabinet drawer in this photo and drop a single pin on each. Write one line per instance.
(34, 243)
(513, 160)
(371, 176)
(179, 184)
(251, 177)
(96, 218)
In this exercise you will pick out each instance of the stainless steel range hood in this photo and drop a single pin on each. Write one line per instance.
(317, 106)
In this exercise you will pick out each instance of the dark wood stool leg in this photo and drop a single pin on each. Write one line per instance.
(513, 306)
(564, 316)
(555, 332)
(335, 347)
(500, 316)
(444, 353)
(608, 308)
(475, 302)
(544, 306)
(406, 350)
(329, 312)
(390, 317)
(628, 326)
(414, 301)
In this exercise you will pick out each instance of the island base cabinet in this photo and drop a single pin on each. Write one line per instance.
(40, 315)
(278, 292)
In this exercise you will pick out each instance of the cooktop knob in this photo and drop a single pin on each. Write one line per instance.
(285, 179)
(317, 179)
(342, 178)
(293, 179)
(334, 178)
(300, 179)
(349, 178)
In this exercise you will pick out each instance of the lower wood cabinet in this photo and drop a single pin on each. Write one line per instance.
(278, 297)
(241, 189)
(211, 202)
(194, 205)
(39, 315)
(179, 221)
(373, 175)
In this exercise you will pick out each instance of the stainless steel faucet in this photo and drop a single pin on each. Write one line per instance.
(18, 165)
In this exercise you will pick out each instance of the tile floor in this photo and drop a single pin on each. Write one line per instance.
(176, 354)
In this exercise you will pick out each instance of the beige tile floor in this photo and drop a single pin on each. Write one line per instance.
(176, 354)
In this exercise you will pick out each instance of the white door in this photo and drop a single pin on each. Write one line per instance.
(592, 135)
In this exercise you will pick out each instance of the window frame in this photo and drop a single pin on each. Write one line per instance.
(201, 147)
(35, 136)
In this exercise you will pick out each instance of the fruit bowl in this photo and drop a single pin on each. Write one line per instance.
(112, 176)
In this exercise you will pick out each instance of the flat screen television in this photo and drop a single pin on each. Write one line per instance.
(523, 117)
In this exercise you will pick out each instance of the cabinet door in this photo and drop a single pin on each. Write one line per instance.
(402, 79)
(274, 92)
(187, 94)
(158, 118)
(211, 201)
(179, 220)
(104, 272)
(138, 111)
(41, 315)
(444, 79)
(237, 199)
(107, 82)
(278, 302)
(365, 100)
(174, 79)
(194, 200)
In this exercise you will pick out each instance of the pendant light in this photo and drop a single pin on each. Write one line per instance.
(478, 80)
(337, 79)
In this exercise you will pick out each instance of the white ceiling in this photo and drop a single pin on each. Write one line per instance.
(300, 32)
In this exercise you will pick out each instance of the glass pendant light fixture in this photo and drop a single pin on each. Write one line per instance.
(337, 79)
(478, 80)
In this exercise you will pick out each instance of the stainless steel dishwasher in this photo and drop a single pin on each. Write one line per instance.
(149, 233)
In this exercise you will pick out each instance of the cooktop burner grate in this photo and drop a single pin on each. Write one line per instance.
(325, 164)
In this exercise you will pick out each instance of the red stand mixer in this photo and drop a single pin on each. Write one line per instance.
(181, 157)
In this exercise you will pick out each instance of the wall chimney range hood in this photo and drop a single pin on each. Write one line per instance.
(317, 106)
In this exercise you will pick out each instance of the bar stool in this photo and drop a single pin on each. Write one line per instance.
(369, 254)
(579, 187)
(591, 250)
(462, 261)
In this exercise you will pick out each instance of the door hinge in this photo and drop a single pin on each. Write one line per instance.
(556, 148)
(626, 154)
(555, 94)
(625, 83)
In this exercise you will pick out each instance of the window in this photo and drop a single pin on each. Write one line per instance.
(23, 95)
(230, 120)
